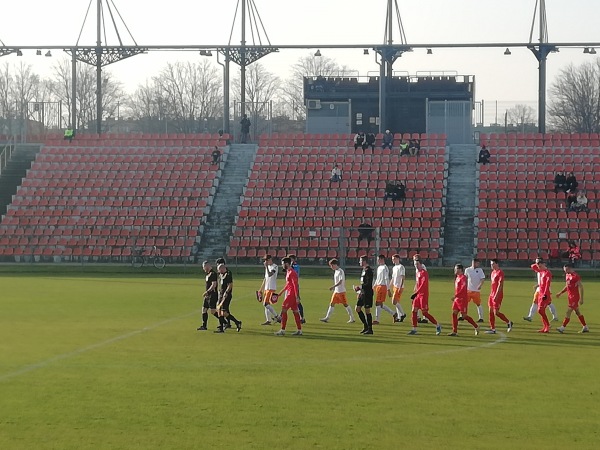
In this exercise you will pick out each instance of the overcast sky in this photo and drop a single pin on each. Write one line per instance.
(206, 22)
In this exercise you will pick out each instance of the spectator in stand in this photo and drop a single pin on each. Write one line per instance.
(216, 155)
(484, 155)
(395, 191)
(560, 182)
(401, 191)
(571, 199)
(388, 140)
(574, 252)
(369, 141)
(404, 148)
(365, 231)
(245, 128)
(69, 134)
(414, 145)
(359, 140)
(390, 191)
(336, 174)
(581, 203)
(572, 182)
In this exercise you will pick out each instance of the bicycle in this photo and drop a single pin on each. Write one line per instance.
(139, 259)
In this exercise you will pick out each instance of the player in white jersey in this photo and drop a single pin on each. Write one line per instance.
(269, 284)
(397, 287)
(339, 292)
(475, 278)
(534, 305)
(380, 287)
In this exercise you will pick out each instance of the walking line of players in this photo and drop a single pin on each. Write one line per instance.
(467, 288)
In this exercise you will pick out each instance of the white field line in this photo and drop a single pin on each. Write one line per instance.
(46, 362)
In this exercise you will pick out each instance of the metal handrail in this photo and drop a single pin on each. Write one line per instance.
(6, 154)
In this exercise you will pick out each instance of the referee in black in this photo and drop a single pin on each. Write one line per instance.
(225, 295)
(211, 294)
(365, 296)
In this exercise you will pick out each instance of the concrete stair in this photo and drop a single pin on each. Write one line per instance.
(224, 209)
(461, 197)
(16, 168)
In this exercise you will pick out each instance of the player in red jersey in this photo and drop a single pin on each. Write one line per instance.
(291, 298)
(574, 290)
(420, 298)
(460, 300)
(495, 298)
(544, 296)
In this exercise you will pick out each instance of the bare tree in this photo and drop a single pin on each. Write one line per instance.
(309, 66)
(60, 86)
(185, 93)
(7, 107)
(262, 89)
(575, 99)
(520, 115)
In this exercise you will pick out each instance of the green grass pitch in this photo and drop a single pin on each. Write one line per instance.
(115, 362)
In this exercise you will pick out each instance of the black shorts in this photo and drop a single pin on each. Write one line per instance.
(210, 301)
(365, 300)
(226, 299)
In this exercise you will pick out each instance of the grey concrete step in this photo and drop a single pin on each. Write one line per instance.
(16, 169)
(459, 230)
(223, 212)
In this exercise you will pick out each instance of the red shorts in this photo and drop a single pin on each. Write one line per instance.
(495, 304)
(460, 305)
(573, 303)
(544, 303)
(421, 302)
(290, 302)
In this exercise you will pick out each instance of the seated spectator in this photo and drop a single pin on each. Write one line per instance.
(216, 155)
(390, 191)
(572, 182)
(336, 174)
(359, 140)
(574, 252)
(580, 203)
(69, 134)
(395, 191)
(365, 231)
(400, 191)
(484, 155)
(404, 148)
(369, 141)
(571, 198)
(413, 147)
(560, 182)
(388, 140)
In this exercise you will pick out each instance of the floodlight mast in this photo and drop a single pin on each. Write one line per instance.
(388, 53)
(541, 52)
(245, 55)
(101, 55)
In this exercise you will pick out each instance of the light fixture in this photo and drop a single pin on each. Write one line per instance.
(19, 53)
(366, 51)
(38, 52)
(208, 53)
(592, 51)
(586, 50)
(48, 53)
(318, 53)
(429, 51)
(205, 53)
(507, 51)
